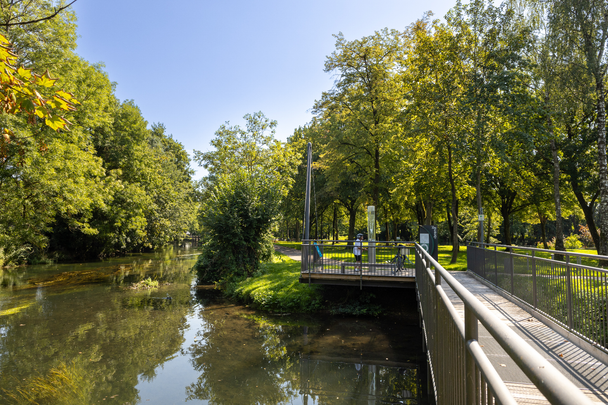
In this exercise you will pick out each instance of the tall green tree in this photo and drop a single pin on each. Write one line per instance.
(364, 106)
(249, 173)
(581, 27)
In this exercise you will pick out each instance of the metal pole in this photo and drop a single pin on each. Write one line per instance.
(470, 336)
(481, 218)
(534, 290)
(307, 200)
(569, 291)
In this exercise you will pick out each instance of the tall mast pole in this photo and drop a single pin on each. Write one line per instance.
(307, 200)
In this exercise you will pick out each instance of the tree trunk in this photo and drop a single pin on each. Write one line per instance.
(352, 214)
(603, 170)
(479, 206)
(455, 244)
(447, 211)
(334, 224)
(543, 230)
(489, 221)
(506, 225)
(428, 212)
(559, 229)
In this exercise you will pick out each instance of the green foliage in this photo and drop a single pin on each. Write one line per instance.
(360, 305)
(237, 221)
(145, 284)
(277, 290)
(249, 174)
(573, 242)
(107, 186)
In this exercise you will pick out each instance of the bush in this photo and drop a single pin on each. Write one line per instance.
(572, 242)
(237, 224)
(550, 244)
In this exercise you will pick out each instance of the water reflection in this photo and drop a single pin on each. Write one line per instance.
(75, 334)
(248, 358)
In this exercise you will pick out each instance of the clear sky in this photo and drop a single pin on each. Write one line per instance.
(195, 64)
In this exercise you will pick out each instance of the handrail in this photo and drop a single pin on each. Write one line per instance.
(553, 252)
(551, 383)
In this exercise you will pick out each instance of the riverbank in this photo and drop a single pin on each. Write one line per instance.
(278, 290)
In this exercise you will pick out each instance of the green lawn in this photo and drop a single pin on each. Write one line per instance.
(278, 289)
(445, 254)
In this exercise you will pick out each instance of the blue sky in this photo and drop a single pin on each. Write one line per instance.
(193, 65)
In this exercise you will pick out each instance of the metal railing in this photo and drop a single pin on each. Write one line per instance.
(461, 371)
(379, 258)
(571, 292)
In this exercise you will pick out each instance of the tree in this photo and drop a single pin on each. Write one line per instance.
(249, 174)
(581, 27)
(364, 106)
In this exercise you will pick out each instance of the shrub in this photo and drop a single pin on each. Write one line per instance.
(572, 242)
(585, 236)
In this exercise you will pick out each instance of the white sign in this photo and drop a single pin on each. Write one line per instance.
(481, 217)
(371, 222)
(424, 238)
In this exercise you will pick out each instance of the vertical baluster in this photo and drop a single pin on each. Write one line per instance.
(569, 291)
(534, 293)
(470, 333)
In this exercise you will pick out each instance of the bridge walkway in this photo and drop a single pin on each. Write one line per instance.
(583, 369)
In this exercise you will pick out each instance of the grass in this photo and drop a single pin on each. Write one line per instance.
(445, 255)
(278, 289)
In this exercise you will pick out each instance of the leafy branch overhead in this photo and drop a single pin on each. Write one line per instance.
(22, 92)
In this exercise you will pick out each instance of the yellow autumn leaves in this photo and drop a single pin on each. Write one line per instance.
(20, 92)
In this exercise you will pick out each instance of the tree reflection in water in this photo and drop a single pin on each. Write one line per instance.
(74, 334)
(253, 359)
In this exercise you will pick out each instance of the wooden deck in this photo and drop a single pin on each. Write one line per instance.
(366, 279)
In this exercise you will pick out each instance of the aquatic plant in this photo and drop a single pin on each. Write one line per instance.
(145, 284)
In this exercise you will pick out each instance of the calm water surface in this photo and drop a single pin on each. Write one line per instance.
(77, 334)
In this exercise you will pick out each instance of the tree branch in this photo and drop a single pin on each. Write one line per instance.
(57, 11)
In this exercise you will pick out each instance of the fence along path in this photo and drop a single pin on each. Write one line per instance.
(585, 371)
(499, 378)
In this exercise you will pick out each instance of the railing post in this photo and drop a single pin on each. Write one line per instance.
(534, 293)
(512, 265)
(495, 266)
(436, 356)
(569, 292)
(471, 333)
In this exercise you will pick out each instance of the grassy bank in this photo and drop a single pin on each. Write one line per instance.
(277, 289)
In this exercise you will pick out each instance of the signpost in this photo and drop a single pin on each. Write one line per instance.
(371, 232)
(428, 240)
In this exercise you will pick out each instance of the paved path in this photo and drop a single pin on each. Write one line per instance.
(584, 370)
(294, 254)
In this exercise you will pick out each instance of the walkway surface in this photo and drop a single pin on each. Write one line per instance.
(294, 254)
(585, 371)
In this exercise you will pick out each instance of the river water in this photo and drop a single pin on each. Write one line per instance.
(78, 334)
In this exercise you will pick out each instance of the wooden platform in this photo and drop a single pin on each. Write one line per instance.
(354, 278)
